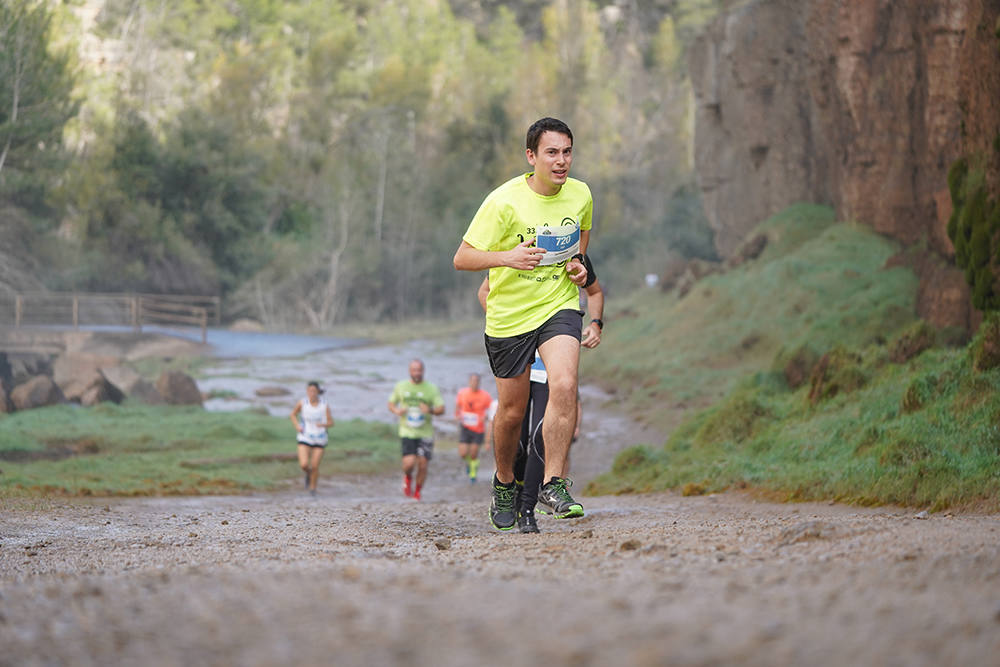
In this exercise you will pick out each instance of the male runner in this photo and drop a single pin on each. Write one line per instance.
(414, 401)
(529, 466)
(471, 406)
(529, 233)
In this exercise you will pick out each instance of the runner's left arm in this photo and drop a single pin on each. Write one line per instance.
(438, 408)
(595, 308)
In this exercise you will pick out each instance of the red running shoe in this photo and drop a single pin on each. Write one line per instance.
(416, 494)
(406, 487)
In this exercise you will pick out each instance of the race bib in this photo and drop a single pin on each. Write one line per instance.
(470, 419)
(414, 417)
(538, 372)
(559, 243)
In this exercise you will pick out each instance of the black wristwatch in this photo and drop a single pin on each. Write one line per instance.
(599, 322)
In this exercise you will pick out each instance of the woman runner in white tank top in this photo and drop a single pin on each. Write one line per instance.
(312, 437)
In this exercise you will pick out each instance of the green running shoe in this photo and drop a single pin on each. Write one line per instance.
(555, 497)
(503, 510)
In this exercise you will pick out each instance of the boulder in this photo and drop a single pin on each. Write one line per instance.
(22, 366)
(5, 404)
(75, 374)
(101, 391)
(132, 384)
(37, 392)
(145, 392)
(178, 388)
(122, 377)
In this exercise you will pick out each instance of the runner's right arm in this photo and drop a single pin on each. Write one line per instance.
(522, 256)
(295, 416)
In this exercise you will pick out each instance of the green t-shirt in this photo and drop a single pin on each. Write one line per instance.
(415, 424)
(521, 301)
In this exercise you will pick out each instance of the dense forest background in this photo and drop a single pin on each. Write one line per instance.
(316, 161)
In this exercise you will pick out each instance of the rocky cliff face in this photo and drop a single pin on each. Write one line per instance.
(861, 104)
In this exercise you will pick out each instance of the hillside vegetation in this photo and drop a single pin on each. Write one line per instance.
(804, 375)
(316, 162)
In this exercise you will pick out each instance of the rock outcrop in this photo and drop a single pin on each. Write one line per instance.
(76, 375)
(177, 388)
(131, 384)
(860, 104)
(37, 392)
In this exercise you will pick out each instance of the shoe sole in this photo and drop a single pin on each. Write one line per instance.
(510, 527)
(574, 512)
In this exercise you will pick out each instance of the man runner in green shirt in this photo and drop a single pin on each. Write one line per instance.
(414, 401)
(530, 233)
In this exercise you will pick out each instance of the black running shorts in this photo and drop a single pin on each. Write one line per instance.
(423, 447)
(509, 357)
(311, 444)
(469, 437)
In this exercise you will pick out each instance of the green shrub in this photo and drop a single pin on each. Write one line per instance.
(973, 228)
(985, 347)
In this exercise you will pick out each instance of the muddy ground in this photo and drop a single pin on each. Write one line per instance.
(362, 576)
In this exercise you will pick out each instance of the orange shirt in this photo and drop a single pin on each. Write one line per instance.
(471, 407)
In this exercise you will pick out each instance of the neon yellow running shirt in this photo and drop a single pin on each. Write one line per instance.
(521, 301)
(414, 423)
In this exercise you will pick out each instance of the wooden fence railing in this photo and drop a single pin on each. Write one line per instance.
(132, 310)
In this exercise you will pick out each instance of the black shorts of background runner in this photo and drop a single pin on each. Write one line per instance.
(310, 444)
(419, 446)
(467, 436)
(529, 465)
(509, 357)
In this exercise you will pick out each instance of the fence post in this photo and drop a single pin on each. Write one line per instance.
(218, 310)
(76, 311)
(204, 326)
(135, 313)
(18, 309)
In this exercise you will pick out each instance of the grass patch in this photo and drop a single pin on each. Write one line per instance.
(130, 449)
(924, 434)
(818, 283)
(839, 394)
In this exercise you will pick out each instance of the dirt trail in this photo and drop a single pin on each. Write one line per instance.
(361, 576)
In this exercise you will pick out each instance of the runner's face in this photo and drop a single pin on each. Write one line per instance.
(312, 392)
(552, 161)
(473, 382)
(416, 372)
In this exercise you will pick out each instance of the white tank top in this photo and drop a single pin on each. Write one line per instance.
(312, 416)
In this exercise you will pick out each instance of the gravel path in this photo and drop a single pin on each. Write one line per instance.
(362, 576)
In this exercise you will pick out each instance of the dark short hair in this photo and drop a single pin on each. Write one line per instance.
(543, 125)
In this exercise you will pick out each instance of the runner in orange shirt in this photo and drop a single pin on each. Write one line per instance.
(470, 411)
